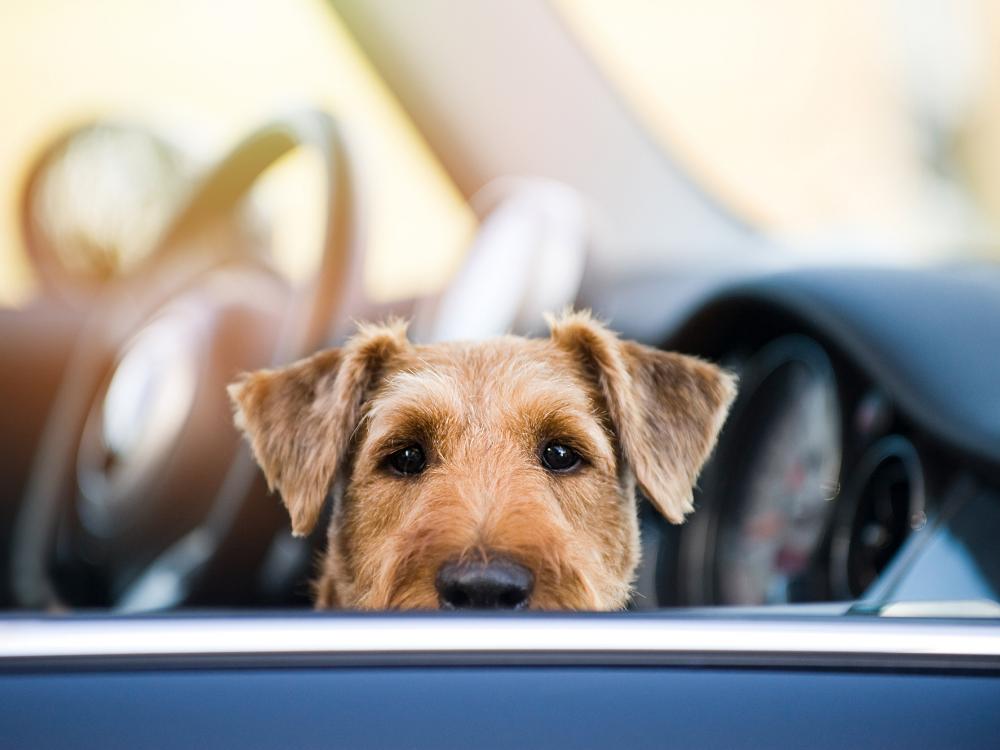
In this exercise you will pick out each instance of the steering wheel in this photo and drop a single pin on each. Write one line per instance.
(140, 425)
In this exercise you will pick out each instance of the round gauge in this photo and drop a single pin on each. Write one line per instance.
(883, 504)
(784, 463)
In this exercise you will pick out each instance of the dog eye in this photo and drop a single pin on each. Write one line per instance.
(409, 460)
(558, 457)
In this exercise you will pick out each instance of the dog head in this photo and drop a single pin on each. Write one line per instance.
(494, 474)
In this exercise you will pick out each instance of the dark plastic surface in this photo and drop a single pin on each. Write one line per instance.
(930, 338)
(492, 708)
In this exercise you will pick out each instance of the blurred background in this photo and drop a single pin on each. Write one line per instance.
(866, 125)
(191, 189)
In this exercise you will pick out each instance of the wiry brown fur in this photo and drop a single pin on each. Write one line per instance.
(482, 413)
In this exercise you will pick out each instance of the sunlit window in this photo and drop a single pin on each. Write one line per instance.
(850, 124)
(203, 74)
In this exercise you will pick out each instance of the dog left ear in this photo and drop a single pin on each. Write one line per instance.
(666, 408)
(299, 419)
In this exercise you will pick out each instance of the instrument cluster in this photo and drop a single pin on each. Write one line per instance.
(813, 489)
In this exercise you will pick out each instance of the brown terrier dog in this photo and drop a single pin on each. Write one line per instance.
(499, 474)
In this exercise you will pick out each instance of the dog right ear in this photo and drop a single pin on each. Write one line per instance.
(299, 419)
(666, 408)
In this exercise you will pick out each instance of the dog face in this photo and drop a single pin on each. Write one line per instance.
(494, 475)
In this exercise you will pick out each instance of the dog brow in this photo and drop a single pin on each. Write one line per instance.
(558, 411)
(425, 386)
(413, 403)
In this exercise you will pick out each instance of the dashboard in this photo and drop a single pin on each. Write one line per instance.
(867, 429)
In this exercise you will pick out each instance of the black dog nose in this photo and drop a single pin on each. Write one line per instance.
(497, 584)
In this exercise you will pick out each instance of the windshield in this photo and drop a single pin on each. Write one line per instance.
(845, 129)
(75, 70)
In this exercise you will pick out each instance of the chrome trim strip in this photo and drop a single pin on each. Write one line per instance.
(28, 638)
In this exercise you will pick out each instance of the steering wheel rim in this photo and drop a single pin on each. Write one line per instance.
(305, 325)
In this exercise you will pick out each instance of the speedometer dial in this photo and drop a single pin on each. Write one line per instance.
(785, 463)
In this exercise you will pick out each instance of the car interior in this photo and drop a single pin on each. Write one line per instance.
(803, 194)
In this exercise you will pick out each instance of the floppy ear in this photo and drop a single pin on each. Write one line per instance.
(299, 419)
(666, 408)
